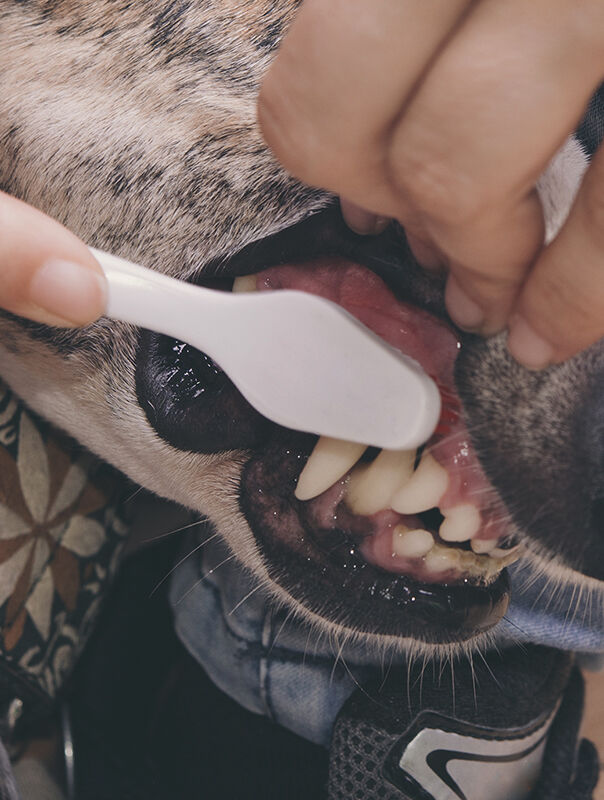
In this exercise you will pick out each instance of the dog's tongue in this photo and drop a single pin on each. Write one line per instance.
(363, 294)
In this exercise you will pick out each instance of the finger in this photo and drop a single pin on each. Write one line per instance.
(338, 83)
(424, 251)
(488, 259)
(561, 308)
(493, 109)
(365, 223)
(361, 221)
(46, 273)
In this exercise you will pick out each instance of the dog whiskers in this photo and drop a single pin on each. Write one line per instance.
(204, 576)
(355, 680)
(178, 530)
(184, 558)
(452, 663)
(133, 495)
(486, 663)
(473, 674)
(518, 628)
(339, 657)
(246, 597)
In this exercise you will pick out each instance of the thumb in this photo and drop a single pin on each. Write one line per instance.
(46, 273)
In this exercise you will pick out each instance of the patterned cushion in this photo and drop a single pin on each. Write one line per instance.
(62, 532)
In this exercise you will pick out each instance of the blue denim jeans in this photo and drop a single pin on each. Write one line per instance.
(277, 665)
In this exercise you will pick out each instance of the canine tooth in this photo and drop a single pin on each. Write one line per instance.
(328, 462)
(482, 546)
(460, 523)
(245, 283)
(440, 559)
(411, 544)
(372, 486)
(424, 489)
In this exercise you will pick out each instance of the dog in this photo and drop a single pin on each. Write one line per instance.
(135, 126)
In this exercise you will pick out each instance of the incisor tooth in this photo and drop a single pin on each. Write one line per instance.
(411, 544)
(440, 559)
(481, 546)
(328, 462)
(424, 489)
(460, 523)
(245, 283)
(371, 486)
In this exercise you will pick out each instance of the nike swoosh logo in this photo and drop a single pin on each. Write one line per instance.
(438, 760)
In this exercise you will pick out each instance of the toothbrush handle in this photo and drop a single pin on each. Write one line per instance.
(151, 300)
(298, 359)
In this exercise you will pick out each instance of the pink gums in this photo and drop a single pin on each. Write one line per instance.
(435, 346)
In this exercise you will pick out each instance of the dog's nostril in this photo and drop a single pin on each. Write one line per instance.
(190, 401)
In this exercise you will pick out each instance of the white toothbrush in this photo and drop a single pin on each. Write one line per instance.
(300, 360)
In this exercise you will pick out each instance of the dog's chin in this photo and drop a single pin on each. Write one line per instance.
(388, 544)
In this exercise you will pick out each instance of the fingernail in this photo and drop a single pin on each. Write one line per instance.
(73, 292)
(462, 309)
(362, 221)
(527, 346)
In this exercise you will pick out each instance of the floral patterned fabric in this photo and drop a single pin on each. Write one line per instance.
(61, 538)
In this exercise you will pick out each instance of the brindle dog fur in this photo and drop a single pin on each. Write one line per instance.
(134, 124)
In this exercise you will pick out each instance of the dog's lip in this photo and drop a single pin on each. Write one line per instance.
(322, 233)
(325, 234)
(324, 571)
(360, 597)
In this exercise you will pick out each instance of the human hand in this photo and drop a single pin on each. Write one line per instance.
(46, 273)
(443, 115)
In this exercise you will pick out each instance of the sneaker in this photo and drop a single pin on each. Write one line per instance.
(504, 727)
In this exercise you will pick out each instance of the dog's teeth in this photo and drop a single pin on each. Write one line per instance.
(511, 555)
(440, 559)
(423, 490)
(482, 546)
(460, 523)
(245, 283)
(411, 544)
(371, 486)
(328, 462)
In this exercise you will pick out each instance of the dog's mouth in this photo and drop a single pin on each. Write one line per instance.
(412, 528)
(429, 513)
(410, 544)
